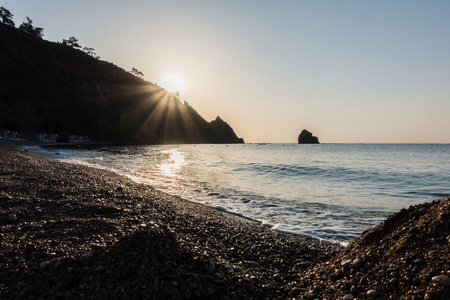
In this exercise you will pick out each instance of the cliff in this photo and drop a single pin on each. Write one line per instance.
(48, 87)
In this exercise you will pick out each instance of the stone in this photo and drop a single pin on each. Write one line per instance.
(43, 264)
(346, 264)
(441, 279)
(296, 291)
(373, 293)
(307, 137)
(348, 297)
(311, 296)
(266, 287)
(357, 263)
(290, 277)
(211, 267)
(237, 269)
(254, 264)
(11, 218)
(179, 271)
(187, 294)
(209, 291)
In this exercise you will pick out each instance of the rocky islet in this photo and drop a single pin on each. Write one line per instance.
(307, 137)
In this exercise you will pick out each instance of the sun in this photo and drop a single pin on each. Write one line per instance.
(173, 83)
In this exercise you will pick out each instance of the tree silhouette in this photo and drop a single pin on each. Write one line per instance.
(91, 52)
(72, 42)
(6, 17)
(137, 73)
(28, 27)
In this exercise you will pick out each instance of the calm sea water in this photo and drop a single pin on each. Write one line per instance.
(329, 191)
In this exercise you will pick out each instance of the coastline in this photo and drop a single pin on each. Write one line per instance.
(75, 217)
(90, 232)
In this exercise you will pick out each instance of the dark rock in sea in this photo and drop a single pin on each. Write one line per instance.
(307, 137)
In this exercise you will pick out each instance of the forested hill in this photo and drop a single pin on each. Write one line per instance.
(48, 87)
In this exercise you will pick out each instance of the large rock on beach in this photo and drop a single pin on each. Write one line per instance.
(307, 137)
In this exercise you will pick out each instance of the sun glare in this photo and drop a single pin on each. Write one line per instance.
(173, 83)
(173, 163)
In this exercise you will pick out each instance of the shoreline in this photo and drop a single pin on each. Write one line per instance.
(68, 213)
(44, 154)
(92, 232)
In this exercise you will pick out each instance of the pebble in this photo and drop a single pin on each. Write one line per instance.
(357, 263)
(266, 287)
(373, 293)
(348, 297)
(302, 264)
(43, 264)
(187, 294)
(11, 218)
(254, 264)
(211, 267)
(346, 264)
(290, 277)
(237, 269)
(441, 279)
(296, 291)
(209, 291)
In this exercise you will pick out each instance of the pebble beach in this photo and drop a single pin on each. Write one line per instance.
(73, 232)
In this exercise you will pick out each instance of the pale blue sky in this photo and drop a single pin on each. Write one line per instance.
(349, 71)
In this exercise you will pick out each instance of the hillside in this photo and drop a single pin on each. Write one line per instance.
(48, 87)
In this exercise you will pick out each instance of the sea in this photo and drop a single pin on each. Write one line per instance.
(331, 192)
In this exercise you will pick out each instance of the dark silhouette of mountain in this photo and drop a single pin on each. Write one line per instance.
(48, 87)
(307, 137)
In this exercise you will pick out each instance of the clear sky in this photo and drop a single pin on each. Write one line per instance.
(348, 71)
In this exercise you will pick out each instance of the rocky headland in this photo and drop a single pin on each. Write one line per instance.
(73, 232)
(54, 88)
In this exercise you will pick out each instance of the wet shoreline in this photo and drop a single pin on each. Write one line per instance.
(70, 231)
(70, 218)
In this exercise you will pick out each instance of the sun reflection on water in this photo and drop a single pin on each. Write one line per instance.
(173, 163)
